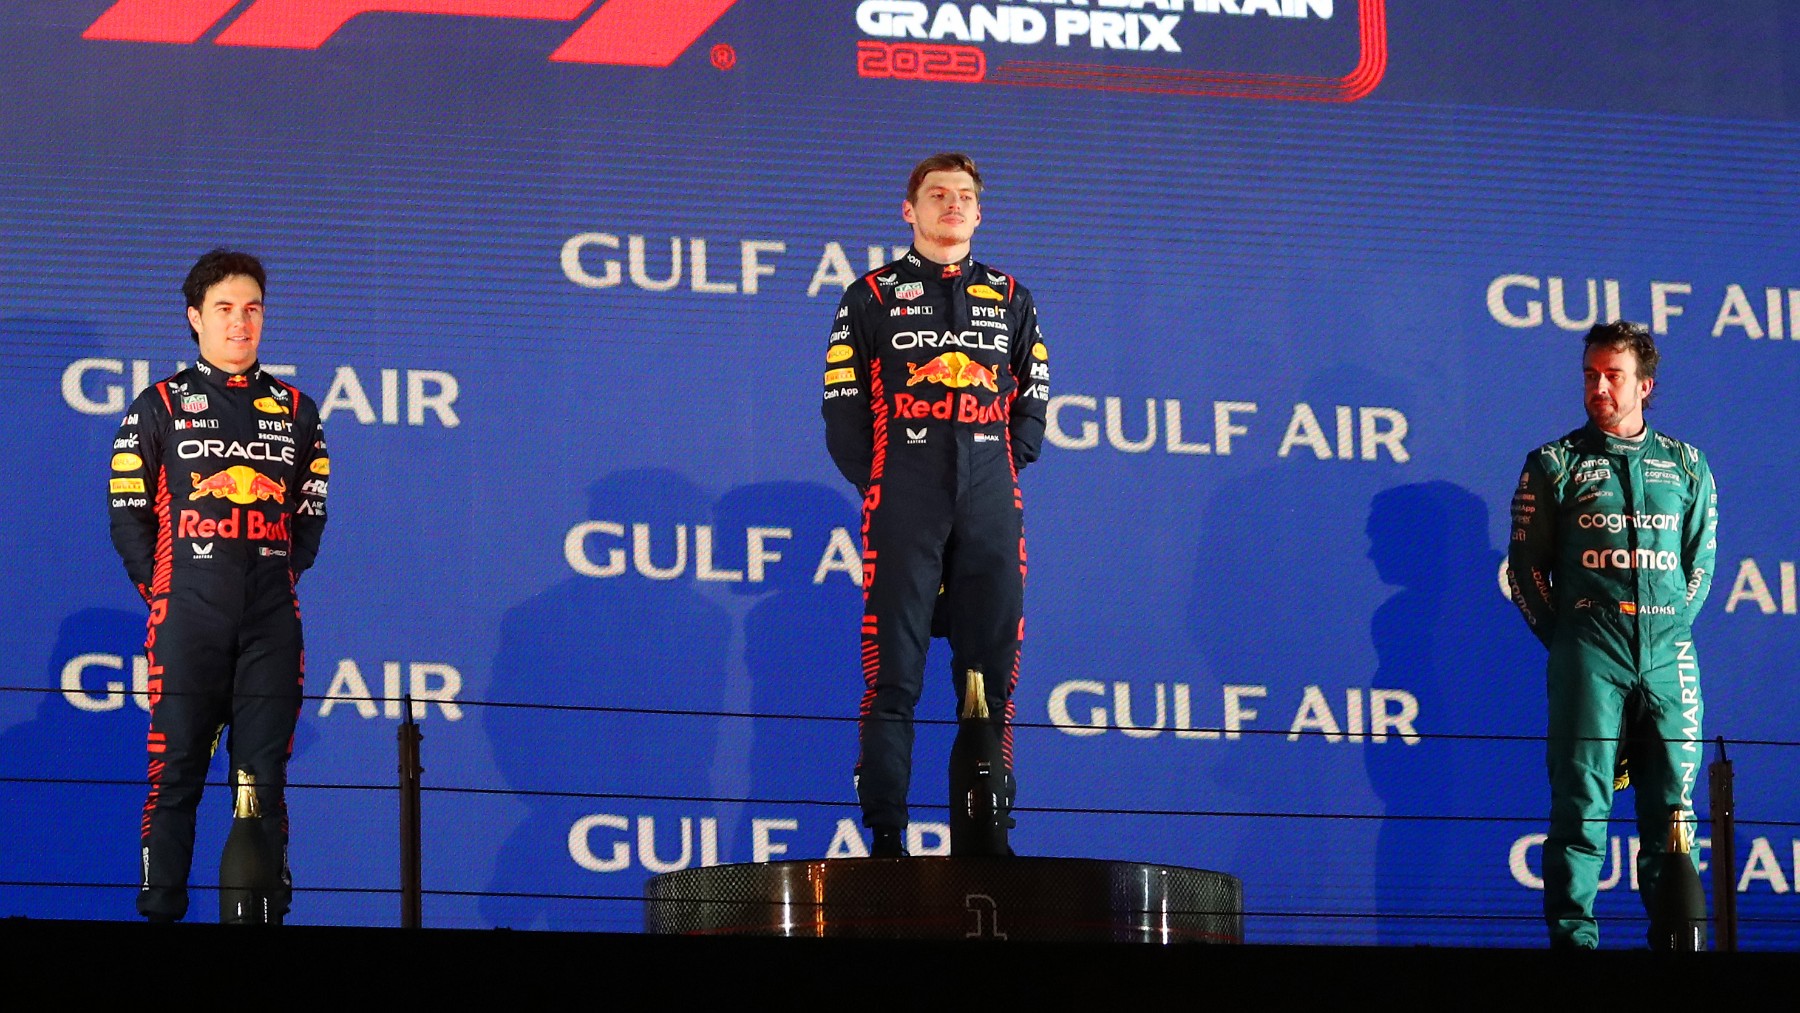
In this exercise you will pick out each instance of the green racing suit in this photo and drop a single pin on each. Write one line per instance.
(1611, 557)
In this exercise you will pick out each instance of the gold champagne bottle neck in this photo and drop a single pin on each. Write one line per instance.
(974, 703)
(246, 806)
(1678, 837)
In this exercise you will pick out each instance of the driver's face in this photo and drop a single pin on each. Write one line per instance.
(1613, 393)
(946, 208)
(229, 321)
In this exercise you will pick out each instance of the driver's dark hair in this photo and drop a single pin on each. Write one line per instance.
(215, 266)
(1625, 335)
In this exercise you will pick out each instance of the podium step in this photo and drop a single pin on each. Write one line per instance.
(1036, 899)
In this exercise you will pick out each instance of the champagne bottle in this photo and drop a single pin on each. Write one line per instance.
(981, 790)
(1678, 922)
(245, 872)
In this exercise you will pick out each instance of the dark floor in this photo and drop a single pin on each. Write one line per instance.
(304, 966)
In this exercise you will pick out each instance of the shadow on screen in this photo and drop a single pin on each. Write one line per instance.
(1451, 639)
(802, 650)
(94, 827)
(626, 640)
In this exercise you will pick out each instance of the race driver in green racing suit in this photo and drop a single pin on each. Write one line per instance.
(1610, 560)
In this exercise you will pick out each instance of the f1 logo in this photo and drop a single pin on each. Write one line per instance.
(638, 33)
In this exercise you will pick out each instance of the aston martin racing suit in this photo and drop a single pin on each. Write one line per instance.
(218, 500)
(936, 381)
(1611, 558)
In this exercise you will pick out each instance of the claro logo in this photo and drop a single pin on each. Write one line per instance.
(639, 33)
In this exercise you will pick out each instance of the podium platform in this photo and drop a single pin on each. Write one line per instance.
(937, 898)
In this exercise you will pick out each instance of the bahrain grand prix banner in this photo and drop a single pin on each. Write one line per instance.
(559, 273)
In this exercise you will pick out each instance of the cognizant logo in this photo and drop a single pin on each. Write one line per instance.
(1616, 523)
(642, 33)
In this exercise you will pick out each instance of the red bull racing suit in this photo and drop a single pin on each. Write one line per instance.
(936, 381)
(1612, 551)
(217, 496)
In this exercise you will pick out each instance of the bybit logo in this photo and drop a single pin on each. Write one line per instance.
(640, 33)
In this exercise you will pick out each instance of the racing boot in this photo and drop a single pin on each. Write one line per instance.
(981, 788)
(890, 842)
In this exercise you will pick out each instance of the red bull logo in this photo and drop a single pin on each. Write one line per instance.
(960, 407)
(249, 524)
(953, 369)
(239, 484)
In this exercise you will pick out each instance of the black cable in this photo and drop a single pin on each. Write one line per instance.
(1213, 731)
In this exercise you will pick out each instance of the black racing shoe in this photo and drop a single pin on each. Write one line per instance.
(889, 843)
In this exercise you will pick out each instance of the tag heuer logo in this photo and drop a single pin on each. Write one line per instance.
(910, 290)
(193, 404)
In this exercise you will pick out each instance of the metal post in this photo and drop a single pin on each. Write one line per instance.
(1724, 852)
(411, 849)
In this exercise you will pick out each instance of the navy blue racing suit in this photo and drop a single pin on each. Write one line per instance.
(217, 498)
(936, 382)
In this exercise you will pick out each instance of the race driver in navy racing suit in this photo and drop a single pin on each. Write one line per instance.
(218, 500)
(936, 381)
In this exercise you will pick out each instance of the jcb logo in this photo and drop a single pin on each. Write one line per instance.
(640, 33)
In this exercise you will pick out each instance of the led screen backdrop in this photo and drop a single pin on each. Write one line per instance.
(559, 272)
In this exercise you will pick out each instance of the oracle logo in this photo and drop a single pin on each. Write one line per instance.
(640, 33)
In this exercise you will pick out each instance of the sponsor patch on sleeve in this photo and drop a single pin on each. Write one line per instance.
(844, 375)
(838, 353)
(126, 485)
